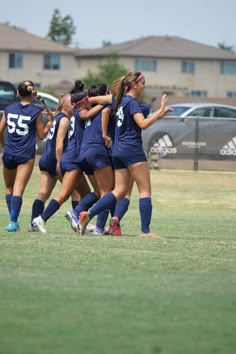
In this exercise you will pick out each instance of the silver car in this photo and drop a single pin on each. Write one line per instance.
(192, 131)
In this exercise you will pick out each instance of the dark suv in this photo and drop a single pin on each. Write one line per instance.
(7, 94)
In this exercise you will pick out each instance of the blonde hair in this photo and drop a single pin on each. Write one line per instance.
(62, 99)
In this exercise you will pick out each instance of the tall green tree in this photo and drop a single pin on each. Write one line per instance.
(108, 71)
(61, 28)
(225, 46)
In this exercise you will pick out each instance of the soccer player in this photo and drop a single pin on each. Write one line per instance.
(128, 156)
(122, 205)
(69, 169)
(23, 120)
(49, 163)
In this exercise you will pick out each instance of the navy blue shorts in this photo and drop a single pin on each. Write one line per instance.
(11, 162)
(69, 166)
(50, 168)
(95, 162)
(125, 161)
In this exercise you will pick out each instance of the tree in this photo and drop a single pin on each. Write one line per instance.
(109, 71)
(61, 28)
(106, 43)
(225, 47)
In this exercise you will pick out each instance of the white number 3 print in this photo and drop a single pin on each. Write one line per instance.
(120, 115)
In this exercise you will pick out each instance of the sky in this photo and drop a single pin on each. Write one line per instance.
(205, 21)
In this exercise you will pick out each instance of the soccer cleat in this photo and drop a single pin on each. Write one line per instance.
(83, 221)
(13, 227)
(107, 230)
(150, 235)
(115, 229)
(32, 228)
(90, 227)
(97, 231)
(73, 220)
(40, 224)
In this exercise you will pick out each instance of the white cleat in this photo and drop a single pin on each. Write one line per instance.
(70, 216)
(40, 224)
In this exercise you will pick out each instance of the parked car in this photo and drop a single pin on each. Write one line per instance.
(50, 100)
(205, 131)
(209, 110)
(7, 94)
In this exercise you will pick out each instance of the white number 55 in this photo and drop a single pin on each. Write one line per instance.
(17, 123)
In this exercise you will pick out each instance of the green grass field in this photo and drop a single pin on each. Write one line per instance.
(65, 294)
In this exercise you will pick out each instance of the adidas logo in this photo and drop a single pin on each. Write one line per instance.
(230, 148)
(164, 145)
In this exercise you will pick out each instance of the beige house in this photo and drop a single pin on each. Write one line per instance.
(178, 66)
(26, 56)
(175, 65)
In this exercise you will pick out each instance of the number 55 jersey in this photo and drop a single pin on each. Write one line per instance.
(21, 129)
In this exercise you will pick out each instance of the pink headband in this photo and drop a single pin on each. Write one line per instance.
(139, 77)
(83, 99)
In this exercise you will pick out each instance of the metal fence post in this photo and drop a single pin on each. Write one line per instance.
(196, 148)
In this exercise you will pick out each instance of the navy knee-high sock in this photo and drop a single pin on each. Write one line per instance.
(145, 210)
(106, 202)
(102, 219)
(74, 203)
(52, 207)
(16, 203)
(8, 202)
(121, 208)
(87, 202)
(37, 208)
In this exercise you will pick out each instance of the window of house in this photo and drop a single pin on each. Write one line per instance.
(145, 65)
(15, 60)
(188, 67)
(51, 62)
(228, 67)
(197, 93)
(231, 93)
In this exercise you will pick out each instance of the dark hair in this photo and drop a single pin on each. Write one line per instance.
(26, 88)
(78, 92)
(98, 90)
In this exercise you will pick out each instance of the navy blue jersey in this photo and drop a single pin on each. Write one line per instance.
(112, 121)
(48, 156)
(92, 140)
(75, 136)
(128, 135)
(145, 109)
(21, 129)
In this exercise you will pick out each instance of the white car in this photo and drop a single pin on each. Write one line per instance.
(50, 100)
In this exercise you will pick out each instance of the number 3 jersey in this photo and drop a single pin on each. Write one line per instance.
(128, 135)
(21, 129)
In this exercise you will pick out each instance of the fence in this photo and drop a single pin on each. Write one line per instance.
(192, 143)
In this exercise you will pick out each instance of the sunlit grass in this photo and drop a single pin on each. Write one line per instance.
(61, 293)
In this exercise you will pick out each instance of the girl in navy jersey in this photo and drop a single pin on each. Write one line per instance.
(49, 163)
(23, 121)
(95, 158)
(68, 163)
(128, 156)
(122, 205)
